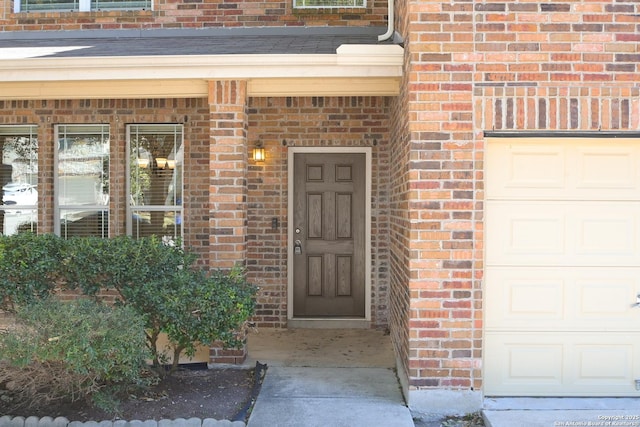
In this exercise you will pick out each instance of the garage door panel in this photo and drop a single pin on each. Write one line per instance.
(563, 233)
(606, 300)
(562, 267)
(522, 170)
(516, 299)
(517, 364)
(546, 169)
(606, 230)
(595, 363)
(553, 364)
(524, 232)
(611, 167)
(571, 299)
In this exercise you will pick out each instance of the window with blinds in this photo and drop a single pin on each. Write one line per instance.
(155, 180)
(79, 5)
(81, 180)
(325, 4)
(18, 179)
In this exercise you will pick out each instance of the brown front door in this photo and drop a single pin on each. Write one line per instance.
(329, 235)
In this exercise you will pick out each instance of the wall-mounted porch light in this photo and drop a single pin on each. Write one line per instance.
(258, 154)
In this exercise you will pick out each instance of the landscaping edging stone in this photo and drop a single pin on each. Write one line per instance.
(8, 421)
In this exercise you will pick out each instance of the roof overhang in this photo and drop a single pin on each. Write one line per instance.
(355, 70)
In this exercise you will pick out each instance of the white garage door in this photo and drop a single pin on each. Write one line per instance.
(562, 267)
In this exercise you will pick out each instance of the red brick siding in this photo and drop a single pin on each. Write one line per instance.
(565, 108)
(435, 184)
(472, 68)
(170, 14)
(232, 356)
(399, 225)
(310, 122)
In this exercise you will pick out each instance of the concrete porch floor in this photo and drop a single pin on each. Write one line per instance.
(321, 348)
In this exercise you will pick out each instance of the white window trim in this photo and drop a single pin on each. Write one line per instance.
(32, 132)
(131, 208)
(330, 6)
(83, 6)
(56, 205)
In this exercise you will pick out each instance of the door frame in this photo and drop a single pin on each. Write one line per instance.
(364, 322)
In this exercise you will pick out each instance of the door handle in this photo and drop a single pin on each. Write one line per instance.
(297, 249)
(637, 303)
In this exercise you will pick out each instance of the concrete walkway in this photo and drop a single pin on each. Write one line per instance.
(321, 397)
(327, 378)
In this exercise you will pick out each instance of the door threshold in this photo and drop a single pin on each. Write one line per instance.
(324, 323)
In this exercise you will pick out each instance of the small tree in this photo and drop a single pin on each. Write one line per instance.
(191, 307)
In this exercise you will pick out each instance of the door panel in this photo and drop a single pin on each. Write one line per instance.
(329, 219)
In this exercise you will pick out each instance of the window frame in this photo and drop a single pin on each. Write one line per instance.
(178, 209)
(84, 6)
(31, 132)
(353, 5)
(80, 129)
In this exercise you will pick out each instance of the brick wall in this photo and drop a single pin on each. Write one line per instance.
(310, 122)
(400, 227)
(473, 67)
(195, 14)
(194, 113)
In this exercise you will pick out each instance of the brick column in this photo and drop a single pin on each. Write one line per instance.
(444, 294)
(228, 186)
(228, 169)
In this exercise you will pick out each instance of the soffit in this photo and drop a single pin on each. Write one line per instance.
(279, 62)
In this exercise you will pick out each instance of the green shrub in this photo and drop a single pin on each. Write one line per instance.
(160, 282)
(157, 280)
(29, 268)
(72, 351)
(93, 263)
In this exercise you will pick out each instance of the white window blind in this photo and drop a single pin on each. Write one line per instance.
(82, 180)
(79, 5)
(322, 4)
(155, 180)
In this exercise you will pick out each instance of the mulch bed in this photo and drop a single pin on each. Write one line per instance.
(219, 393)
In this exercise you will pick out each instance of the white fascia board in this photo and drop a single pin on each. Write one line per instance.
(352, 61)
